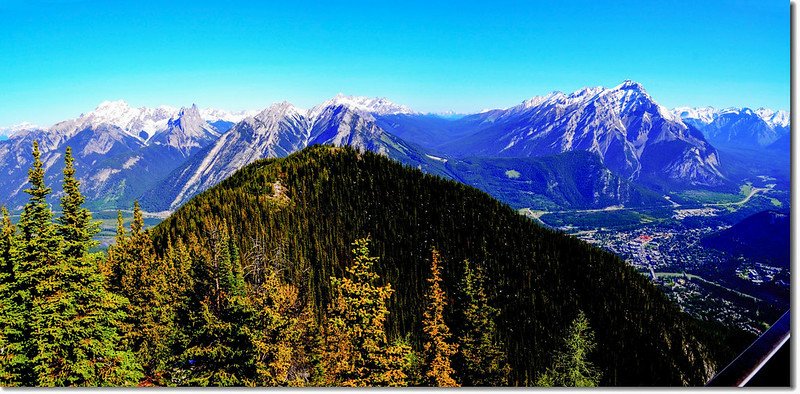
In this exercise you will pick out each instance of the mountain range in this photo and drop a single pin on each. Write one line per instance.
(738, 127)
(588, 149)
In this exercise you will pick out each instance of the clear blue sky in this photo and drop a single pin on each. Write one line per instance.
(62, 57)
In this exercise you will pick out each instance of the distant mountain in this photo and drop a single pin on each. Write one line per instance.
(737, 127)
(750, 143)
(164, 155)
(223, 120)
(280, 130)
(375, 106)
(636, 137)
(569, 180)
(762, 236)
(6, 132)
(187, 132)
(120, 151)
(430, 131)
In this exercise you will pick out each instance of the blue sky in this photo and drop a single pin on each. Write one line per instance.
(63, 57)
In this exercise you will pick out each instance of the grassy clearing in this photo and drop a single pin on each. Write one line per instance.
(710, 197)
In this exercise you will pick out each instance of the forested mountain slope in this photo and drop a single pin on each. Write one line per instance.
(313, 204)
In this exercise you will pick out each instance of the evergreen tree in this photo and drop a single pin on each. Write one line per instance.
(357, 350)
(75, 224)
(483, 361)
(70, 320)
(221, 349)
(12, 356)
(8, 246)
(37, 275)
(153, 287)
(438, 351)
(571, 366)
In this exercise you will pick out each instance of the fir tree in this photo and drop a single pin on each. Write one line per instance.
(571, 366)
(483, 360)
(438, 351)
(357, 351)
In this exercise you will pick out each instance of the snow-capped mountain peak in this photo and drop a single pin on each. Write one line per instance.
(272, 116)
(704, 115)
(140, 123)
(774, 118)
(630, 85)
(374, 105)
(707, 115)
(539, 100)
(14, 129)
(737, 127)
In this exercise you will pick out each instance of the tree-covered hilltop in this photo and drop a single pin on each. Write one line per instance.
(305, 210)
(257, 283)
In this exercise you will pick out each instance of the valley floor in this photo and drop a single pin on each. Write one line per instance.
(664, 245)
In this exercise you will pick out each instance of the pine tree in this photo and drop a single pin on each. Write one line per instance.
(357, 350)
(571, 366)
(483, 360)
(438, 351)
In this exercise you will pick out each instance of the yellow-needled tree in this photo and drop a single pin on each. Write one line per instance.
(438, 349)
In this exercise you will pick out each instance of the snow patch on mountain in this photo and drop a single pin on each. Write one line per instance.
(214, 115)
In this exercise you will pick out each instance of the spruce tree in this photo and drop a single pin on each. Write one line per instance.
(75, 225)
(571, 366)
(79, 344)
(357, 350)
(483, 361)
(8, 246)
(38, 276)
(438, 350)
(69, 333)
